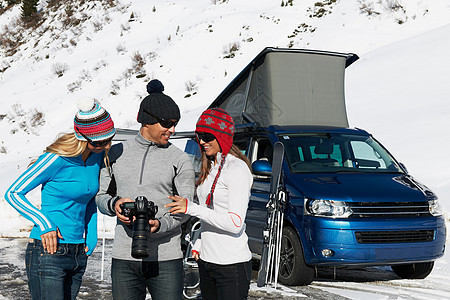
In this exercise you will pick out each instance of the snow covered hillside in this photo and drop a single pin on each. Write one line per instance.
(109, 50)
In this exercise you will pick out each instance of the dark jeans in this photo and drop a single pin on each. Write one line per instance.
(55, 276)
(163, 279)
(224, 282)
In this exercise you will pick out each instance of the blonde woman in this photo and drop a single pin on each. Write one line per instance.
(65, 226)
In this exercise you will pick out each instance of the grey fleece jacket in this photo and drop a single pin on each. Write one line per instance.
(142, 168)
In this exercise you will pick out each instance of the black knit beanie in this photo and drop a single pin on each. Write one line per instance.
(158, 104)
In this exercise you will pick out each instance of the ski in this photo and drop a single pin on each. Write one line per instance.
(273, 207)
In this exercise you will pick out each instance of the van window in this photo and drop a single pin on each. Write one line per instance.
(363, 151)
(328, 152)
(243, 143)
(335, 153)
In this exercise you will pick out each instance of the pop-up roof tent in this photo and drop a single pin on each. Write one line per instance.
(289, 87)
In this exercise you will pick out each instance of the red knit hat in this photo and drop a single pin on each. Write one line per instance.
(219, 123)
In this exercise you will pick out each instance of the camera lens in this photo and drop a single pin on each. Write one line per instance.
(141, 233)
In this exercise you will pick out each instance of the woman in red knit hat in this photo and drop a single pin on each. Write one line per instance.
(223, 190)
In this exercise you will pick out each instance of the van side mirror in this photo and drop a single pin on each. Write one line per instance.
(262, 168)
(403, 167)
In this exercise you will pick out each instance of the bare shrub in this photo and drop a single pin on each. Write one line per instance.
(36, 118)
(27, 122)
(215, 2)
(367, 8)
(121, 49)
(17, 111)
(230, 50)
(76, 85)
(4, 66)
(100, 65)
(115, 87)
(59, 69)
(68, 10)
(3, 150)
(123, 8)
(392, 5)
(125, 27)
(85, 75)
(152, 56)
(191, 87)
(302, 28)
(321, 9)
(97, 26)
(138, 63)
(12, 36)
(70, 21)
(110, 3)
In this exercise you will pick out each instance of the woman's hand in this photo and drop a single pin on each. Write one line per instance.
(179, 205)
(50, 240)
(195, 255)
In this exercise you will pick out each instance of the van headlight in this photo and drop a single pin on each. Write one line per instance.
(434, 208)
(327, 208)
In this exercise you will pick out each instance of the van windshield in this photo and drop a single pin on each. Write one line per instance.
(328, 152)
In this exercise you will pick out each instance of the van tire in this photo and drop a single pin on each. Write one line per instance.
(293, 269)
(413, 271)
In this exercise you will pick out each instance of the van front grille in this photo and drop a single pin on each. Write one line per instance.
(389, 209)
(390, 237)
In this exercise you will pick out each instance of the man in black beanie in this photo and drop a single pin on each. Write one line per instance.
(149, 166)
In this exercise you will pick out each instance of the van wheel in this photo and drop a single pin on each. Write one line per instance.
(293, 269)
(413, 271)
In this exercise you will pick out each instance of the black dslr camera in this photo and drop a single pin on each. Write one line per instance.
(144, 211)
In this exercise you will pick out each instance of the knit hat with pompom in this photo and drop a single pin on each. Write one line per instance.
(219, 123)
(93, 121)
(157, 104)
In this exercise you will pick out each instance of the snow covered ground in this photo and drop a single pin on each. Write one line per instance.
(398, 90)
(378, 283)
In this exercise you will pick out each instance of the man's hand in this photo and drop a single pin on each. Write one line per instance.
(154, 225)
(118, 210)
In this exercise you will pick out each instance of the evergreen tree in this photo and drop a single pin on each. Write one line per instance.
(29, 9)
(11, 2)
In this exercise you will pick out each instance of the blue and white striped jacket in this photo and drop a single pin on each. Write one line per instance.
(67, 197)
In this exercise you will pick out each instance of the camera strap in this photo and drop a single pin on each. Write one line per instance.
(174, 187)
(112, 188)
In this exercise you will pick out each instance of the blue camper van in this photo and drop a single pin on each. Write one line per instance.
(349, 201)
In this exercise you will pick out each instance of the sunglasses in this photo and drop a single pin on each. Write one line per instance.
(96, 144)
(164, 123)
(205, 136)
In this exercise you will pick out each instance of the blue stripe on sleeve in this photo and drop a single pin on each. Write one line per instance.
(31, 178)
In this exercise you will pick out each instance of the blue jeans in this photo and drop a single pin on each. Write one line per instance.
(55, 276)
(163, 279)
(224, 282)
